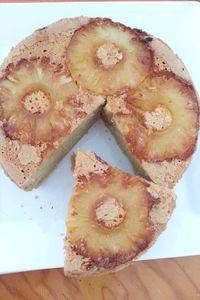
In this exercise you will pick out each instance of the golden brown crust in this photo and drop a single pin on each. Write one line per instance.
(166, 173)
(47, 46)
(75, 264)
(87, 165)
(87, 256)
(49, 42)
(18, 160)
(166, 60)
(93, 22)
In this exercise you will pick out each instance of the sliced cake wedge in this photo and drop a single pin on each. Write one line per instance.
(113, 217)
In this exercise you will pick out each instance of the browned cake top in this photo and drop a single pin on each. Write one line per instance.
(113, 216)
(59, 75)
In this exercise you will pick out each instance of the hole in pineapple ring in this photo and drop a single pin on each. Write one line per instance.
(108, 55)
(109, 212)
(158, 119)
(36, 102)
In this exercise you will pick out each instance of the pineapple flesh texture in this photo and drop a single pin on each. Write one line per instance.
(108, 220)
(35, 104)
(111, 240)
(107, 58)
(164, 120)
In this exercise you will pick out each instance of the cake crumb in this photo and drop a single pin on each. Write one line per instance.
(166, 172)
(158, 119)
(109, 55)
(117, 104)
(28, 154)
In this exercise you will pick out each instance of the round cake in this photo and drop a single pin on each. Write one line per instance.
(54, 84)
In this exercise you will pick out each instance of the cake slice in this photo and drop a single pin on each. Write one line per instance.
(43, 112)
(113, 217)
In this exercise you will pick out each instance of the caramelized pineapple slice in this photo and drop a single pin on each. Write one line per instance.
(162, 119)
(107, 58)
(113, 216)
(37, 105)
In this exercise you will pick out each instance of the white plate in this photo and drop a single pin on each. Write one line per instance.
(32, 223)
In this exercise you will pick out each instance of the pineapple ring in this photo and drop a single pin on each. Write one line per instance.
(118, 242)
(107, 58)
(35, 103)
(171, 135)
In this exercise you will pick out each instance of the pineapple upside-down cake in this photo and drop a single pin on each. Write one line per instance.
(54, 85)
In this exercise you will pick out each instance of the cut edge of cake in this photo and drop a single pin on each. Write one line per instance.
(26, 165)
(166, 173)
